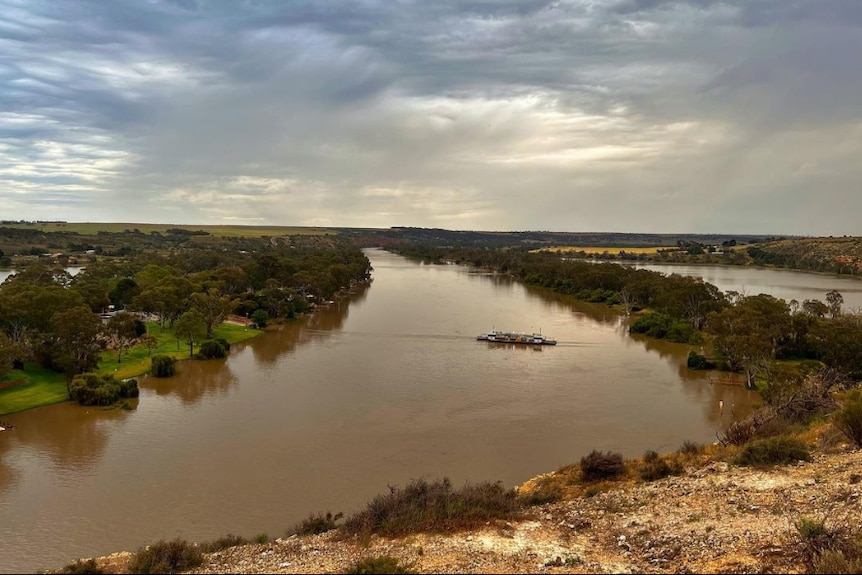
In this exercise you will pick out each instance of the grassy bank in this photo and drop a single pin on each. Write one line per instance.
(36, 386)
(33, 387)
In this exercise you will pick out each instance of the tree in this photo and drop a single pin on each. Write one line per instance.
(7, 354)
(212, 307)
(190, 328)
(748, 334)
(75, 336)
(122, 332)
(151, 342)
(260, 317)
(834, 300)
(123, 292)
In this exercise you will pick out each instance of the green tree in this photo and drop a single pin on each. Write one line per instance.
(750, 332)
(212, 307)
(190, 328)
(123, 293)
(75, 336)
(834, 300)
(7, 354)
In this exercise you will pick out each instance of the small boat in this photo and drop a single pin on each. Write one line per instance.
(496, 336)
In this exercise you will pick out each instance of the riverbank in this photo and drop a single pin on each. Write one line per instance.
(715, 518)
(35, 387)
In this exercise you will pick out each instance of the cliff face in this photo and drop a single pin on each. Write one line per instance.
(714, 518)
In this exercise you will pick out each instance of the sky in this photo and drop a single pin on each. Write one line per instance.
(706, 116)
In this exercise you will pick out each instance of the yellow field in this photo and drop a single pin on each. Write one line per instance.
(610, 250)
(90, 228)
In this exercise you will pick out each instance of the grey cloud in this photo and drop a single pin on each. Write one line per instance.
(626, 114)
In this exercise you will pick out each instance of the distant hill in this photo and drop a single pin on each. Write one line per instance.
(832, 255)
(536, 239)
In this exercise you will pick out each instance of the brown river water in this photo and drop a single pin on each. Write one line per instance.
(385, 385)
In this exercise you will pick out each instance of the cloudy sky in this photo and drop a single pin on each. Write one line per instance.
(735, 116)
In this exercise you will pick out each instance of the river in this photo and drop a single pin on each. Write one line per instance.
(383, 386)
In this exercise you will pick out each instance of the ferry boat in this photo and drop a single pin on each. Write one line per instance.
(497, 336)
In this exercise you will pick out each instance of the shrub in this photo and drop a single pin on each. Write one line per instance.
(597, 466)
(691, 448)
(697, 361)
(739, 432)
(261, 538)
(381, 564)
(260, 317)
(140, 328)
(849, 418)
(166, 557)
(547, 490)
(225, 542)
(433, 506)
(837, 563)
(162, 366)
(83, 567)
(211, 350)
(91, 389)
(656, 467)
(663, 326)
(316, 524)
(835, 549)
(777, 450)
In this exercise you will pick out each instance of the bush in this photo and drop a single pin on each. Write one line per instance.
(381, 564)
(162, 366)
(91, 389)
(697, 361)
(849, 418)
(166, 557)
(597, 466)
(211, 350)
(140, 328)
(433, 506)
(835, 549)
(225, 542)
(260, 317)
(691, 448)
(739, 432)
(655, 467)
(777, 450)
(663, 326)
(82, 567)
(316, 524)
(547, 490)
(837, 563)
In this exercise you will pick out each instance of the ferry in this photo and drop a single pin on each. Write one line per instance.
(497, 336)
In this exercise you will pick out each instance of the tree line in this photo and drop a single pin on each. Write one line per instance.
(52, 318)
(743, 332)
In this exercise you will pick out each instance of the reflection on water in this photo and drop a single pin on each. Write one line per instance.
(67, 435)
(194, 380)
(320, 325)
(383, 386)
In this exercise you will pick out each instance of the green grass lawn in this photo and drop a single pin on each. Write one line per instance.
(41, 386)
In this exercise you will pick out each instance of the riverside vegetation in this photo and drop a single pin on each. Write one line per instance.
(51, 332)
(806, 363)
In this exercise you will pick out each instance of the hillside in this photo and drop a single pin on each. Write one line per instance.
(833, 255)
(714, 518)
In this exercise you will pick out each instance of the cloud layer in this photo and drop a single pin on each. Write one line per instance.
(580, 115)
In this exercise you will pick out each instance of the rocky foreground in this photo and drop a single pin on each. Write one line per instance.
(716, 518)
